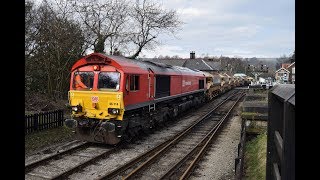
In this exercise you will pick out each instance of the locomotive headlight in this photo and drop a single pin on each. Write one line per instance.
(113, 111)
(77, 108)
(96, 68)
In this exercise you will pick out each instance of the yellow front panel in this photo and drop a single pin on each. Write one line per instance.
(95, 104)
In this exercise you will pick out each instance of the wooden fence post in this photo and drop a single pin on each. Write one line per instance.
(35, 122)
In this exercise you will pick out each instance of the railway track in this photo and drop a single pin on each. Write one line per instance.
(88, 153)
(32, 165)
(176, 157)
(58, 166)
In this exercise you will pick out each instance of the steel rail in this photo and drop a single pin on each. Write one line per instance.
(187, 173)
(37, 163)
(163, 147)
(203, 144)
(84, 164)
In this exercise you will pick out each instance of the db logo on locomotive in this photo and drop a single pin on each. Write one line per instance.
(95, 99)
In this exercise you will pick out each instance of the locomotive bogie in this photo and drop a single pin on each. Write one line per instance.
(93, 130)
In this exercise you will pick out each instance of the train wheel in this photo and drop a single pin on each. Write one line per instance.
(166, 119)
(147, 130)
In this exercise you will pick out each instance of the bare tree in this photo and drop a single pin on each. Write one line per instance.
(30, 28)
(176, 57)
(149, 20)
(101, 19)
(293, 57)
(282, 59)
(59, 43)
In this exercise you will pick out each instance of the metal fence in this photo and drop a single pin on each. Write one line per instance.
(281, 133)
(43, 120)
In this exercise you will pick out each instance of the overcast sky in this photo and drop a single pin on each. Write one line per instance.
(245, 28)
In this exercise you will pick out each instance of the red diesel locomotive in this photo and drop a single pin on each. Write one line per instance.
(113, 97)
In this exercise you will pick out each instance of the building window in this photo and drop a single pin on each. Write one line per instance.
(134, 82)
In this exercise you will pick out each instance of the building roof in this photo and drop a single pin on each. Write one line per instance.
(214, 65)
(285, 65)
(195, 64)
(285, 92)
(282, 69)
(200, 64)
(292, 64)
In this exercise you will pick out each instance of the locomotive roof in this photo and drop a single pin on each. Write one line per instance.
(136, 66)
(172, 62)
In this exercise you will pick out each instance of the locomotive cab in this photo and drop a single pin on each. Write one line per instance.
(101, 97)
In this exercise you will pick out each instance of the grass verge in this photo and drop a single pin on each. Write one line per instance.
(256, 127)
(255, 158)
(248, 115)
(39, 140)
(260, 91)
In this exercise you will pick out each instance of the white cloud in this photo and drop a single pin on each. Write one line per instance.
(219, 49)
(165, 50)
(233, 27)
(247, 31)
(241, 52)
(177, 50)
(187, 13)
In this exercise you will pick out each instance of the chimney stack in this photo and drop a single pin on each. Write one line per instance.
(192, 55)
